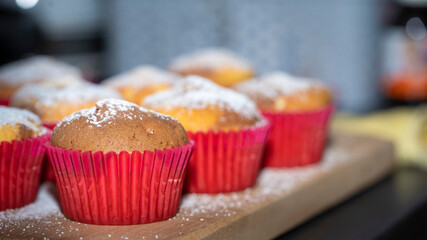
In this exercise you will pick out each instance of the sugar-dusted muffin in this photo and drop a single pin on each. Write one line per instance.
(52, 101)
(34, 69)
(201, 105)
(116, 125)
(21, 156)
(140, 82)
(227, 128)
(281, 92)
(299, 111)
(18, 124)
(132, 162)
(219, 65)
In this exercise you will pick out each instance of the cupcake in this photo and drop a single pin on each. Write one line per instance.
(227, 128)
(140, 82)
(35, 69)
(21, 156)
(299, 110)
(219, 65)
(118, 164)
(54, 100)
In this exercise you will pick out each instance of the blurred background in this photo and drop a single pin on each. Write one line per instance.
(349, 44)
(372, 53)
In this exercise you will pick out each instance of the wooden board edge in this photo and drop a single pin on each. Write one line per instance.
(265, 223)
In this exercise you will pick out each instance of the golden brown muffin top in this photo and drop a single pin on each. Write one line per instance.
(209, 59)
(35, 69)
(118, 125)
(279, 91)
(198, 97)
(16, 124)
(142, 76)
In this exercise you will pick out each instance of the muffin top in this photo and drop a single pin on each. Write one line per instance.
(17, 124)
(49, 95)
(118, 125)
(142, 76)
(35, 69)
(52, 102)
(201, 105)
(209, 59)
(279, 91)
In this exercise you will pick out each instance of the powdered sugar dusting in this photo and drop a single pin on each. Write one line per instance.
(254, 88)
(42, 218)
(45, 205)
(13, 116)
(277, 83)
(210, 58)
(271, 183)
(50, 95)
(195, 92)
(142, 76)
(107, 110)
(34, 69)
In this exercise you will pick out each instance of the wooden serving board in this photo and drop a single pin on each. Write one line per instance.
(281, 200)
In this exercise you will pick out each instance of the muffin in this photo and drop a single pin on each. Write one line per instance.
(35, 69)
(140, 82)
(281, 92)
(219, 65)
(132, 161)
(228, 129)
(21, 151)
(52, 101)
(299, 110)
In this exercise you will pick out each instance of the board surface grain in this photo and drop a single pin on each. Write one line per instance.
(281, 200)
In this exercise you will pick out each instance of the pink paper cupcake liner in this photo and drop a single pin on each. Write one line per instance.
(226, 161)
(120, 189)
(297, 139)
(20, 168)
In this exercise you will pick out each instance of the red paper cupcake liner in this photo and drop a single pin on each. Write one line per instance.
(297, 139)
(20, 168)
(48, 174)
(120, 189)
(4, 102)
(226, 161)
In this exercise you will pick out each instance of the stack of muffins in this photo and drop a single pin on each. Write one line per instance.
(128, 161)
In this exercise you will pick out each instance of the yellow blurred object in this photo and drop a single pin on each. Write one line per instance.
(10, 132)
(405, 127)
(136, 95)
(222, 66)
(226, 77)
